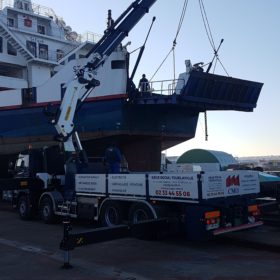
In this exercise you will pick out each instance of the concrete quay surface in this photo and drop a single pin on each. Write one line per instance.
(30, 250)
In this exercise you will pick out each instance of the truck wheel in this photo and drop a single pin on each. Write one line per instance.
(140, 212)
(24, 208)
(111, 214)
(46, 211)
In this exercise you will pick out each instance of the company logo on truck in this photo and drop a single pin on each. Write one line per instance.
(232, 181)
(232, 184)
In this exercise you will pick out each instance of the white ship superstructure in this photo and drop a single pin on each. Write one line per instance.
(33, 42)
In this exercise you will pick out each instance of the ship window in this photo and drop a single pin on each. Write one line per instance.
(11, 22)
(41, 29)
(43, 51)
(59, 54)
(27, 22)
(1, 44)
(118, 64)
(10, 49)
(31, 46)
(8, 70)
(18, 4)
(26, 6)
(71, 57)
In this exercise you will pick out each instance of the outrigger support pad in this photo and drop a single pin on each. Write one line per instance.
(65, 244)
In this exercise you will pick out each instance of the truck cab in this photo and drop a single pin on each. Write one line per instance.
(31, 173)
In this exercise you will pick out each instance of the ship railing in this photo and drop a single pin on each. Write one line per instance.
(56, 55)
(6, 3)
(44, 11)
(35, 8)
(49, 12)
(50, 55)
(89, 37)
(167, 87)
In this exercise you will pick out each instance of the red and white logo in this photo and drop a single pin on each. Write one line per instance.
(232, 181)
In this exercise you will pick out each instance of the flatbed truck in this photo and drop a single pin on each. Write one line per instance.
(198, 203)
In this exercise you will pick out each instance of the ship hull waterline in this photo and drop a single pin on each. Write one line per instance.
(141, 131)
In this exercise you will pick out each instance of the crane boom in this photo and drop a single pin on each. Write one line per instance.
(83, 82)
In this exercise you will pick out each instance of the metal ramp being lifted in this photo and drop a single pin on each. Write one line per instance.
(206, 91)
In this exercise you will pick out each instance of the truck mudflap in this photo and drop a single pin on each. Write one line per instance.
(236, 228)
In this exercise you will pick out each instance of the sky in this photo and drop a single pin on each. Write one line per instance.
(250, 51)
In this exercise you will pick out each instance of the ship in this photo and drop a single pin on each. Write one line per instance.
(38, 53)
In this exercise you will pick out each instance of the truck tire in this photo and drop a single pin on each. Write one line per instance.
(46, 211)
(139, 212)
(111, 214)
(24, 208)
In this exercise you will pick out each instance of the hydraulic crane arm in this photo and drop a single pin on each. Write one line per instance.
(84, 82)
(115, 34)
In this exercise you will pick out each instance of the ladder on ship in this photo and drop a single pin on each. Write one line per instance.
(6, 33)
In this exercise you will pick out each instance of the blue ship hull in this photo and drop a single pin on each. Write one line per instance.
(136, 128)
(99, 119)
